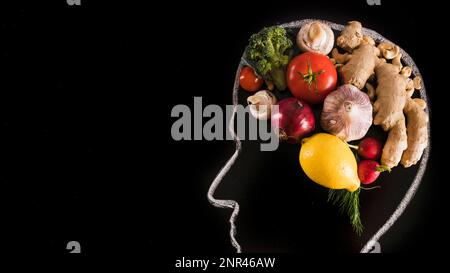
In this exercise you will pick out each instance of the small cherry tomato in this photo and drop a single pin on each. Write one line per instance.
(249, 81)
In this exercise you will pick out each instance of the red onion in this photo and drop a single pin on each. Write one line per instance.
(293, 120)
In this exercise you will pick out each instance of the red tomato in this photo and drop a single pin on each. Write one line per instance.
(249, 81)
(311, 76)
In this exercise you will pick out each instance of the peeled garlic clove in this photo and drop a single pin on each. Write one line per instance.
(347, 113)
(261, 104)
(316, 37)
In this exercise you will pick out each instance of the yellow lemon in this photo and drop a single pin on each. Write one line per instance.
(329, 162)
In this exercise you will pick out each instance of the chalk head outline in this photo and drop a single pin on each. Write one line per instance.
(373, 245)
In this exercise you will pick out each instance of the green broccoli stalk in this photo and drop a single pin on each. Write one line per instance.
(269, 52)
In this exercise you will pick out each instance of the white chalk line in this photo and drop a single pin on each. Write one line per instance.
(232, 204)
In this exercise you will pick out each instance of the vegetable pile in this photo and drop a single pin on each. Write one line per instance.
(357, 84)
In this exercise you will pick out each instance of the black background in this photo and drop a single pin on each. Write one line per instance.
(86, 94)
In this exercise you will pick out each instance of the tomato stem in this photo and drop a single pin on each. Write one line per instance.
(311, 77)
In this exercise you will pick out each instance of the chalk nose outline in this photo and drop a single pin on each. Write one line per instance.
(234, 205)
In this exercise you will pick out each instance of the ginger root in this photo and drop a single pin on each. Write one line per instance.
(416, 130)
(359, 65)
(395, 111)
(391, 95)
(405, 143)
(395, 144)
(351, 36)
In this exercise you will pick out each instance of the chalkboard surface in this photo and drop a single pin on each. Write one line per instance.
(89, 159)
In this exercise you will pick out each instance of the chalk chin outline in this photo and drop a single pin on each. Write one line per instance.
(234, 205)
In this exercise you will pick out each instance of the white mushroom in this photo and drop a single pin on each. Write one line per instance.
(261, 104)
(316, 37)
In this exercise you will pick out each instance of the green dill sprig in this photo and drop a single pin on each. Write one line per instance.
(348, 203)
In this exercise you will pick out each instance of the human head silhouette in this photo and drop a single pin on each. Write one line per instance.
(372, 244)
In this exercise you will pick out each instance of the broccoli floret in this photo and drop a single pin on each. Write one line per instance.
(269, 51)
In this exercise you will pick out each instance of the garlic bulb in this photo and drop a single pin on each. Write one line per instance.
(347, 113)
(316, 37)
(261, 104)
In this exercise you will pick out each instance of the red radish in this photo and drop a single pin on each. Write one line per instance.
(369, 170)
(293, 120)
(370, 148)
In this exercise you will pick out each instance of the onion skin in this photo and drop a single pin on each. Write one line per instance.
(347, 113)
(293, 120)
